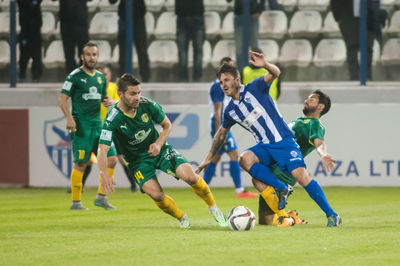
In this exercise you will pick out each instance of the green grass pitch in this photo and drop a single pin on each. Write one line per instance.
(36, 228)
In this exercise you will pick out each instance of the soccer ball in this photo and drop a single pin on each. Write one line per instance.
(241, 218)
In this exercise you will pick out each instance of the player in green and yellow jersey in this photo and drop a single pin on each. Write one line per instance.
(130, 122)
(309, 133)
(87, 89)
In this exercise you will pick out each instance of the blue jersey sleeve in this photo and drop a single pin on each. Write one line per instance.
(216, 93)
(259, 85)
(227, 121)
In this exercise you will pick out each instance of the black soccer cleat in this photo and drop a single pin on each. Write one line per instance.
(283, 196)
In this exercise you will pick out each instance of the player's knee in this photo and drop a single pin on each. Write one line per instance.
(112, 161)
(156, 195)
(301, 176)
(246, 160)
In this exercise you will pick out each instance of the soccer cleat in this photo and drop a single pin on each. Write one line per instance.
(102, 201)
(283, 196)
(77, 205)
(295, 216)
(184, 221)
(246, 194)
(219, 216)
(334, 221)
(286, 221)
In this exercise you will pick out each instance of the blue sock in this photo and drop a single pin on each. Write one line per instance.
(263, 174)
(234, 170)
(315, 191)
(210, 172)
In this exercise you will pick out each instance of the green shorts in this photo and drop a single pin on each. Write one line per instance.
(167, 161)
(285, 178)
(85, 140)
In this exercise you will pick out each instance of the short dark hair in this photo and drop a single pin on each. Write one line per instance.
(228, 68)
(257, 50)
(325, 100)
(89, 44)
(225, 59)
(126, 80)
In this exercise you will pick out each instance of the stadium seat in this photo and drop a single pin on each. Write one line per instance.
(331, 28)
(216, 5)
(387, 4)
(222, 49)
(169, 5)
(49, 25)
(270, 49)
(227, 26)
(115, 57)
(105, 6)
(394, 28)
(206, 54)
(150, 23)
(104, 25)
(166, 26)
(5, 24)
(319, 5)
(296, 52)
(391, 52)
(154, 5)
(330, 52)
(104, 51)
(273, 24)
(376, 50)
(212, 24)
(163, 53)
(305, 24)
(92, 5)
(54, 56)
(49, 6)
(287, 5)
(4, 53)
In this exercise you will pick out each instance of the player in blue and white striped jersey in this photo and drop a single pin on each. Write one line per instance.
(252, 107)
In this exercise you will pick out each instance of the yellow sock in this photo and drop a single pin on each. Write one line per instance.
(272, 200)
(76, 184)
(111, 173)
(203, 191)
(168, 206)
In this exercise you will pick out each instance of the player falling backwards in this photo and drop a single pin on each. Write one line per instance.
(252, 107)
(87, 89)
(131, 122)
(309, 133)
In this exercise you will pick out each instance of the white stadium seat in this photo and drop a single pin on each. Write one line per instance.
(4, 53)
(287, 5)
(331, 28)
(296, 53)
(207, 52)
(270, 49)
(104, 5)
(5, 24)
(92, 5)
(115, 57)
(104, 50)
(391, 52)
(306, 24)
(154, 5)
(166, 26)
(227, 26)
(330, 52)
(394, 28)
(273, 24)
(54, 56)
(387, 4)
(222, 49)
(319, 5)
(376, 52)
(216, 5)
(49, 25)
(49, 5)
(212, 24)
(169, 5)
(104, 25)
(163, 53)
(150, 23)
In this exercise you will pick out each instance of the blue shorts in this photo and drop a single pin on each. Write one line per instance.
(229, 145)
(286, 153)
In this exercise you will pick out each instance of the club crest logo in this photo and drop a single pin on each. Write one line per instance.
(99, 80)
(293, 153)
(58, 145)
(145, 118)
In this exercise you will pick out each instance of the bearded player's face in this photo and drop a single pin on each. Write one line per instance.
(90, 56)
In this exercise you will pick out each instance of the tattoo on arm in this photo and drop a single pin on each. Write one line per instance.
(219, 140)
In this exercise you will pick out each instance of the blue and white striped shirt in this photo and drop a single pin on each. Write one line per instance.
(257, 113)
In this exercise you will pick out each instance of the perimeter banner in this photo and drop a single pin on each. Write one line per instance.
(361, 137)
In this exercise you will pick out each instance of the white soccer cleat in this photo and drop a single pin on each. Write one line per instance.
(102, 201)
(219, 216)
(77, 205)
(184, 221)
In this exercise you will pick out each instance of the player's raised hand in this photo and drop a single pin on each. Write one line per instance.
(328, 163)
(202, 166)
(71, 125)
(154, 149)
(107, 183)
(256, 59)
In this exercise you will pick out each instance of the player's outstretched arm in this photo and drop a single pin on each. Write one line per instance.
(218, 141)
(63, 103)
(327, 161)
(258, 60)
(154, 148)
(107, 182)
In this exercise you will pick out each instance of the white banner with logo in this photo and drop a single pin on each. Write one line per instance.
(361, 137)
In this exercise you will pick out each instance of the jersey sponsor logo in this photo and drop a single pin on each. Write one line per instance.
(67, 85)
(113, 113)
(145, 118)
(84, 80)
(58, 145)
(106, 135)
(124, 126)
(252, 117)
(92, 95)
(140, 137)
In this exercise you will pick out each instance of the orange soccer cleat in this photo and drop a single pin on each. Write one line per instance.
(295, 216)
(286, 221)
(246, 194)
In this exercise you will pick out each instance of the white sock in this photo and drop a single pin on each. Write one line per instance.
(239, 190)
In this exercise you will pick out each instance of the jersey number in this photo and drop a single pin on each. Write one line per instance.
(138, 176)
